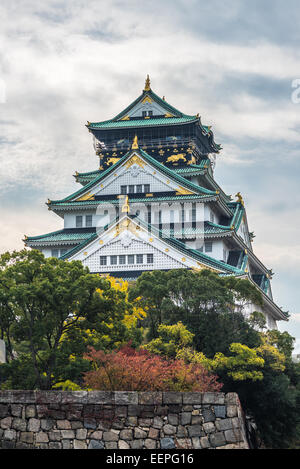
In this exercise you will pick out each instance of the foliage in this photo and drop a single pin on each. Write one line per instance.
(209, 306)
(170, 340)
(130, 369)
(243, 363)
(51, 310)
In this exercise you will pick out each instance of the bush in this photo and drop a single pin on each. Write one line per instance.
(138, 370)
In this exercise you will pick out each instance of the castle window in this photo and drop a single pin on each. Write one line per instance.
(149, 258)
(139, 258)
(122, 259)
(139, 188)
(55, 253)
(79, 221)
(131, 190)
(146, 187)
(89, 220)
(130, 258)
(208, 246)
(123, 190)
(103, 260)
(113, 260)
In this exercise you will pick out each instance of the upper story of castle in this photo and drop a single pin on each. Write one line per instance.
(171, 137)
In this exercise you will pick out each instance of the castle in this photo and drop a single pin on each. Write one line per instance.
(154, 204)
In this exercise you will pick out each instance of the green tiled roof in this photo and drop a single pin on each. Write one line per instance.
(200, 256)
(90, 203)
(153, 161)
(110, 124)
(60, 235)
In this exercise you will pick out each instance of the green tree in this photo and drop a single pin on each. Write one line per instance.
(209, 306)
(44, 299)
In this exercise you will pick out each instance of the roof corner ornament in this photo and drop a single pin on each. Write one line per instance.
(147, 84)
(125, 207)
(135, 144)
(239, 198)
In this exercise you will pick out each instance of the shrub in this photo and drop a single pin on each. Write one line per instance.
(129, 369)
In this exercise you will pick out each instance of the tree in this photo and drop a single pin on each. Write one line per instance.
(43, 299)
(210, 306)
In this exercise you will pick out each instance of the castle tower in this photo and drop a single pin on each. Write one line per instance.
(153, 203)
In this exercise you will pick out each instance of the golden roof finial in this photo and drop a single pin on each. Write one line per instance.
(125, 207)
(240, 198)
(135, 144)
(147, 84)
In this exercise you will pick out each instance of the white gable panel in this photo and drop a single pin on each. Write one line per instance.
(134, 175)
(147, 105)
(160, 259)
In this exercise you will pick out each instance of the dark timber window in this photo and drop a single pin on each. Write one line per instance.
(79, 221)
(103, 260)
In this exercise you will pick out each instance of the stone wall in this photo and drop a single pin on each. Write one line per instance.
(120, 420)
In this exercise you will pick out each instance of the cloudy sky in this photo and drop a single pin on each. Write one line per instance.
(234, 62)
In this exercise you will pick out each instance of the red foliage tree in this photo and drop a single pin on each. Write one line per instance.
(138, 370)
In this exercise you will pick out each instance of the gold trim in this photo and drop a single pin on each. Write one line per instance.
(87, 196)
(135, 144)
(135, 160)
(147, 84)
(125, 207)
(183, 191)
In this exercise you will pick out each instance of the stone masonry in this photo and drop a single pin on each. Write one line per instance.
(121, 420)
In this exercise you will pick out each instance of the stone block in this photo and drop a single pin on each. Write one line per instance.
(16, 410)
(81, 434)
(204, 442)
(101, 397)
(41, 437)
(150, 398)
(97, 435)
(149, 443)
(185, 418)
(173, 419)
(217, 439)
(158, 422)
(233, 436)
(169, 429)
(63, 425)
(209, 427)
(136, 444)
(34, 425)
(54, 435)
(6, 423)
(68, 434)
(79, 444)
(213, 398)
(95, 444)
(19, 424)
(26, 437)
(139, 433)
(225, 424)
(10, 434)
(126, 397)
(153, 433)
(220, 411)
(194, 430)
(126, 434)
(110, 436)
(192, 398)
(232, 411)
(122, 444)
(172, 397)
(167, 443)
(208, 415)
